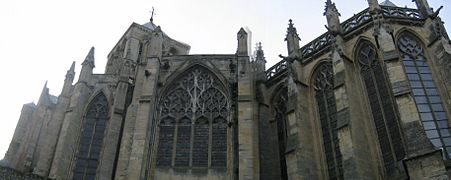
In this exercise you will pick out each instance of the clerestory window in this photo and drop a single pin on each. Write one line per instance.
(94, 125)
(193, 122)
(327, 110)
(382, 107)
(425, 92)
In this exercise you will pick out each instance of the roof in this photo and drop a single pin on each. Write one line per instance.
(150, 25)
(388, 3)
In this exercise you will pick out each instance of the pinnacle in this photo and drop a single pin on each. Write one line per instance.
(90, 57)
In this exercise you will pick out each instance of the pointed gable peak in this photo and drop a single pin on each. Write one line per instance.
(89, 60)
(72, 67)
(242, 31)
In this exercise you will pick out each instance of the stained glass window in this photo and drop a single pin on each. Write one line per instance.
(382, 106)
(424, 89)
(325, 100)
(198, 102)
(94, 125)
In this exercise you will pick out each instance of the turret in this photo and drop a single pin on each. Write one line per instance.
(333, 20)
(87, 66)
(242, 43)
(423, 7)
(374, 6)
(292, 40)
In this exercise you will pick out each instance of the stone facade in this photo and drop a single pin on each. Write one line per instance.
(369, 99)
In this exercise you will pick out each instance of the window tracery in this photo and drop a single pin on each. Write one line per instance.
(280, 108)
(94, 125)
(381, 105)
(425, 92)
(325, 100)
(198, 102)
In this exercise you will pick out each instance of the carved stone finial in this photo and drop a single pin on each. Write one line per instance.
(333, 20)
(152, 13)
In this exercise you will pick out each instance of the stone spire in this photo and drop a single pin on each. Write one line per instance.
(71, 72)
(242, 42)
(423, 7)
(259, 54)
(89, 60)
(69, 79)
(44, 97)
(332, 15)
(260, 62)
(292, 40)
(374, 5)
(87, 66)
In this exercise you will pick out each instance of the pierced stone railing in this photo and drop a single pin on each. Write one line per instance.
(347, 26)
(398, 12)
(276, 69)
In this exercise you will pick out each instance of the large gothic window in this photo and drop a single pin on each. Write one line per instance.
(382, 107)
(280, 108)
(424, 89)
(94, 124)
(193, 122)
(325, 100)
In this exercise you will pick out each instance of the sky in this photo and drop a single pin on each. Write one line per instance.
(39, 40)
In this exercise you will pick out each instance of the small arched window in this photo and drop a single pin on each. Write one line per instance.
(199, 137)
(382, 107)
(94, 125)
(327, 110)
(425, 92)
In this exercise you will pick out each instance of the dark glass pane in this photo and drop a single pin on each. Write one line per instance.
(165, 145)
(437, 107)
(416, 84)
(418, 92)
(421, 99)
(78, 176)
(445, 132)
(423, 69)
(440, 115)
(442, 124)
(437, 142)
(423, 108)
(411, 70)
(426, 77)
(414, 77)
(432, 134)
(435, 99)
(429, 125)
(432, 91)
(183, 145)
(200, 145)
(219, 143)
(429, 84)
(426, 116)
(447, 141)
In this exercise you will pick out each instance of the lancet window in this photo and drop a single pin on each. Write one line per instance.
(193, 122)
(327, 110)
(382, 107)
(425, 92)
(280, 109)
(94, 125)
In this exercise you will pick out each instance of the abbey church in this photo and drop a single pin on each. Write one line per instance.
(368, 99)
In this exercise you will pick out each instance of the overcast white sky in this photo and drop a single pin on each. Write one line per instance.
(40, 39)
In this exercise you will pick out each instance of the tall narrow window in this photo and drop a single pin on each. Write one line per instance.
(280, 107)
(425, 92)
(199, 137)
(382, 107)
(325, 100)
(94, 125)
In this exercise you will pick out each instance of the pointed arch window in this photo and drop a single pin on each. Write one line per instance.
(94, 125)
(199, 136)
(327, 110)
(280, 109)
(425, 92)
(382, 107)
